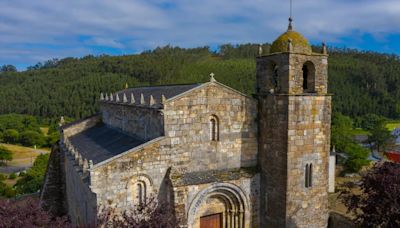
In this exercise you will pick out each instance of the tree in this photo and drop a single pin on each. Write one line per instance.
(380, 137)
(342, 139)
(378, 201)
(31, 138)
(341, 132)
(369, 121)
(8, 68)
(357, 157)
(27, 213)
(11, 136)
(5, 155)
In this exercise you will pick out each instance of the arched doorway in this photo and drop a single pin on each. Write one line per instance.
(219, 206)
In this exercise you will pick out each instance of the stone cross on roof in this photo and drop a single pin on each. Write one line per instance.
(212, 79)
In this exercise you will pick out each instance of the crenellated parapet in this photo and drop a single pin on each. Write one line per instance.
(82, 164)
(149, 101)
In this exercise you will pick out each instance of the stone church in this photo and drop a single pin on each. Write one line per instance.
(219, 157)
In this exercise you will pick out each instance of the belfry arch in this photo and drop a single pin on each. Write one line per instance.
(226, 200)
(308, 71)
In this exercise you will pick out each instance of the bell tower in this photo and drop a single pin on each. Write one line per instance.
(294, 133)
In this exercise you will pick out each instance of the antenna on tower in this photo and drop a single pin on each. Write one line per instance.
(290, 27)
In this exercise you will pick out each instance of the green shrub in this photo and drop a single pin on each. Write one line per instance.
(33, 179)
(11, 136)
(31, 138)
(12, 176)
(5, 154)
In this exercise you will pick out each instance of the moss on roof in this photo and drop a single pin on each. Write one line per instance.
(299, 43)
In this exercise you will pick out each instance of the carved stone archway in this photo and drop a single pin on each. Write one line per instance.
(227, 199)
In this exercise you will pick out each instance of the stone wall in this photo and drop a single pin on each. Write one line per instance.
(309, 143)
(141, 121)
(289, 68)
(82, 207)
(294, 131)
(187, 124)
(80, 125)
(186, 147)
(273, 159)
(53, 192)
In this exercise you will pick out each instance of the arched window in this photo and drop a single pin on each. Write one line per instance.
(141, 193)
(308, 77)
(214, 128)
(141, 190)
(305, 78)
(308, 176)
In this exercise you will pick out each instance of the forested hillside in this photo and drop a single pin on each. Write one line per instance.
(361, 82)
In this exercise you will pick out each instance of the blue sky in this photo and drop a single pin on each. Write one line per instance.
(33, 31)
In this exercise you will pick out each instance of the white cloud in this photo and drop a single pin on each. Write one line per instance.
(27, 28)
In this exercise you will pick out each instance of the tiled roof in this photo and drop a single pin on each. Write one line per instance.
(168, 91)
(203, 177)
(101, 142)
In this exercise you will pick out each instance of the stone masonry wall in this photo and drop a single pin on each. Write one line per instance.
(82, 207)
(294, 130)
(187, 124)
(186, 146)
(273, 138)
(309, 143)
(81, 125)
(143, 122)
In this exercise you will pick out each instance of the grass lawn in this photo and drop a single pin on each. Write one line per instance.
(359, 131)
(393, 125)
(11, 182)
(23, 156)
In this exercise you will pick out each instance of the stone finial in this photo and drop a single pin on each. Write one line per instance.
(333, 151)
(106, 98)
(142, 101)
(111, 97)
(117, 97)
(62, 121)
(124, 98)
(260, 50)
(73, 151)
(101, 96)
(126, 85)
(85, 165)
(212, 79)
(80, 160)
(76, 156)
(132, 99)
(163, 99)
(324, 49)
(152, 101)
(90, 164)
(290, 45)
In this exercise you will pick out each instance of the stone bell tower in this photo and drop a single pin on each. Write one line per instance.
(294, 133)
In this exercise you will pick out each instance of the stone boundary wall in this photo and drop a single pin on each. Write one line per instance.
(53, 192)
(82, 206)
(79, 126)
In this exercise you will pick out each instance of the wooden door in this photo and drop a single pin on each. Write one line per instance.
(211, 221)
